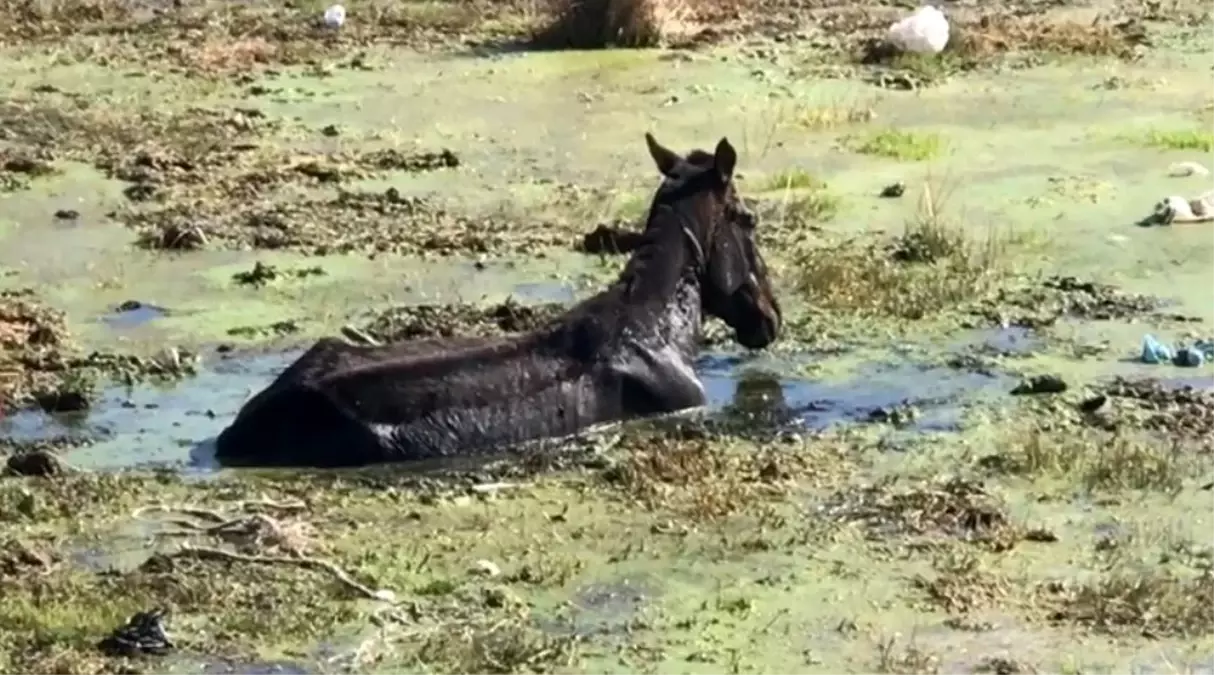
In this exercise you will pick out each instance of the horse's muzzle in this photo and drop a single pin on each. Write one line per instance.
(765, 330)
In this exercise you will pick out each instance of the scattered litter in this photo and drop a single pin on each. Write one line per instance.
(893, 190)
(385, 595)
(1180, 210)
(1154, 351)
(1191, 356)
(490, 488)
(485, 568)
(143, 633)
(335, 16)
(924, 32)
(1183, 169)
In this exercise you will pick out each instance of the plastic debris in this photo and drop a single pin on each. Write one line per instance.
(335, 16)
(1176, 209)
(1189, 357)
(1154, 351)
(923, 32)
(1192, 356)
(1183, 169)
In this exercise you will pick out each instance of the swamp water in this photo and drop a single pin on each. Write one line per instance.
(173, 426)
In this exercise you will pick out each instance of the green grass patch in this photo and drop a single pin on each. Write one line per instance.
(905, 146)
(792, 179)
(1198, 140)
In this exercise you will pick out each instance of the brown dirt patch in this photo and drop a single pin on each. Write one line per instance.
(960, 583)
(201, 176)
(591, 24)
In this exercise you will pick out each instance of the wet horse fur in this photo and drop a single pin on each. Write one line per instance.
(626, 352)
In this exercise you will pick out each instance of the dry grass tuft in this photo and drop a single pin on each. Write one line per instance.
(228, 55)
(895, 658)
(932, 267)
(961, 584)
(1151, 602)
(1092, 458)
(496, 646)
(935, 511)
(702, 478)
(597, 24)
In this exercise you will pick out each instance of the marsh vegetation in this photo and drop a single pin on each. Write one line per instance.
(190, 194)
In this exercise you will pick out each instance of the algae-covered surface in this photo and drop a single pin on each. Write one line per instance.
(190, 195)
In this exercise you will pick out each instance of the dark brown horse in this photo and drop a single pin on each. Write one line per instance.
(626, 352)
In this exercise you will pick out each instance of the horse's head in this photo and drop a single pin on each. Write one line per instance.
(719, 229)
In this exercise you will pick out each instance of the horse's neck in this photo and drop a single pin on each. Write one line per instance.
(658, 283)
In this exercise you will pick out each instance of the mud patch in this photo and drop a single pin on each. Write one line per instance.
(1153, 602)
(1183, 412)
(41, 364)
(1056, 298)
(935, 511)
(212, 40)
(362, 222)
(698, 474)
(17, 170)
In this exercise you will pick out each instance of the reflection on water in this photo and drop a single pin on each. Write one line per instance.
(937, 393)
(551, 291)
(133, 314)
(147, 425)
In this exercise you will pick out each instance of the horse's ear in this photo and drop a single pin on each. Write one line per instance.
(725, 159)
(664, 157)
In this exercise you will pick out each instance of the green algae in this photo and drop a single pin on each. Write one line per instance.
(1028, 538)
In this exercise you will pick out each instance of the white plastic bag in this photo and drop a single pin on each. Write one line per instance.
(924, 32)
(335, 16)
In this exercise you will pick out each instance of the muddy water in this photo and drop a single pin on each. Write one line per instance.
(174, 426)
